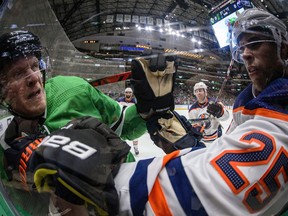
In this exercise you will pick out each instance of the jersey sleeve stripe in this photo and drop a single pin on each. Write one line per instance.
(158, 201)
(138, 201)
(266, 113)
(146, 174)
(170, 156)
(186, 195)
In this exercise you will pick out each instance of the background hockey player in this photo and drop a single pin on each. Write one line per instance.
(207, 108)
(128, 100)
(244, 172)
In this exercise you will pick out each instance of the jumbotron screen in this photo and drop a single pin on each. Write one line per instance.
(223, 18)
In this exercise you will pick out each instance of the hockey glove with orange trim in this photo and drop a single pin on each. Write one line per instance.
(170, 132)
(18, 153)
(153, 79)
(79, 162)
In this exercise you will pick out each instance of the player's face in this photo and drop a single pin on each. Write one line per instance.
(24, 90)
(128, 94)
(200, 95)
(261, 60)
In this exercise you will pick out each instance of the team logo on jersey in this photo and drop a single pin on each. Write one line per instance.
(206, 120)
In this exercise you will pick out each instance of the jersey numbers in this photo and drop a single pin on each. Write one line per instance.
(258, 194)
(75, 148)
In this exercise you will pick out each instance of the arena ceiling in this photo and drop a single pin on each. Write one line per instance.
(88, 20)
(81, 18)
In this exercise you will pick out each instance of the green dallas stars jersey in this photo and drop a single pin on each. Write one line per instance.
(70, 97)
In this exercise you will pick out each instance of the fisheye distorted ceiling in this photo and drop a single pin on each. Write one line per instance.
(81, 18)
(111, 22)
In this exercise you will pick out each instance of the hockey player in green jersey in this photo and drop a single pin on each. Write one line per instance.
(63, 99)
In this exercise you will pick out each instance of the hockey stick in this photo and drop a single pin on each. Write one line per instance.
(226, 79)
(198, 119)
(224, 82)
(125, 75)
(111, 79)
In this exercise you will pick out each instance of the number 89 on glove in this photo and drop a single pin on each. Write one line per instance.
(75, 147)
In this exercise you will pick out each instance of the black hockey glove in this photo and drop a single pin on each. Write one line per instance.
(17, 147)
(215, 109)
(18, 156)
(153, 81)
(79, 162)
(170, 131)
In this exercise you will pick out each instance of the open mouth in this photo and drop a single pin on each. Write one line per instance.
(34, 94)
(252, 70)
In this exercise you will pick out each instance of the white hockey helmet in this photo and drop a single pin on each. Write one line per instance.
(255, 17)
(200, 85)
(258, 20)
(128, 90)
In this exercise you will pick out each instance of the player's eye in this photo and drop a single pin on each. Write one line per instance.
(253, 45)
(18, 74)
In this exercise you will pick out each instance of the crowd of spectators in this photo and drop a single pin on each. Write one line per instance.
(183, 94)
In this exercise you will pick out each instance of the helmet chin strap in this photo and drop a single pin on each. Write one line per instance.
(285, 67)
(19, 115)
(254, 91)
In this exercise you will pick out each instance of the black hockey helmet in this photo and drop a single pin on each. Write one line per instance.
(15, 45)
(18, 44)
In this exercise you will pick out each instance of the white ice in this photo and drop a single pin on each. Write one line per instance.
(148, 149)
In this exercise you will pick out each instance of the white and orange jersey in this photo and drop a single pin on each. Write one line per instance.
(244, 172)
(126, 102)
(211, 129)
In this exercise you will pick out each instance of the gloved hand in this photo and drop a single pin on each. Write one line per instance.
(17, 157)
(199, 127)
(201, 123)
(79, 162)
(153, 79)
(215, 109)
(170, 132)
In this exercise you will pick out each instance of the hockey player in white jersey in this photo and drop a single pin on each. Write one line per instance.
(245, 172)
(126, 101)
(212, 111)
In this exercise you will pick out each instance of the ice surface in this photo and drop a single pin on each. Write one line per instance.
(148, 149)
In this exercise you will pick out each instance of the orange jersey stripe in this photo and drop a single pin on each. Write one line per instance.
(169, 157)
(262, 112)
(158, 201)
